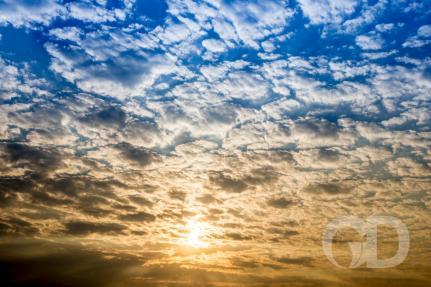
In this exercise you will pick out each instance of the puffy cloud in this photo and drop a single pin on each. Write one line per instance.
(280, 202)
(369, 42)
(18, 81)
(121, 77)
(422, 38)
(214, 45)
(85, 228)
(139, 217)
(84, 11)
(385, 27)
(239, 22)
(238, 125)
(327, 11)
(368, 15)
(24, 12)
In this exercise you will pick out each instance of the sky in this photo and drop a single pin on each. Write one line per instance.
(209, 142)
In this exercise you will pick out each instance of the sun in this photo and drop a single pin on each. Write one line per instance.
(196, 231)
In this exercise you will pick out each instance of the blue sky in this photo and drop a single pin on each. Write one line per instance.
(131, 120)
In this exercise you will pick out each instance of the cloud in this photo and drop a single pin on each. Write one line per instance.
(424, 31)
(33, 158)
(137, 155)
(238, 236)
(18, 81)
(52, 264)
(177, 195)
(252, 20)
(385, 27)
(327, 11)
(237, 115)
(369, 13)
(227, 182)
(214, 45)
(94, 13)
(304, 261)
(329, 188)
(118, 77)
(280, 202)
(16, 227)
(85, 228)
(422, 38)
(138, 217)
(24, 12)
(369, 42)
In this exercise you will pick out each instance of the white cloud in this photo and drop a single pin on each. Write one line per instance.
(254, 20)
(24, 12)
(367, 16)
(67, 33)
(174, 33)
(121, 77)
(238, 22)
(214, 45)
(244, 86)
(16, 81)
(422, 38)
(327, 11)
(84, 11)
(378, 55)
(424, 31)
(385, 27)
(374, 42)
(416, 43)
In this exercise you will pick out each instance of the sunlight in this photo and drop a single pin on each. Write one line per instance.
(196, 231)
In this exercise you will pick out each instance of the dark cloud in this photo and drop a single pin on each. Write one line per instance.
(125, 207)
(303, 261)
(256, 177)
(329, 155)
(139, 217)
(87, 188)
(85, 228)
(95, 211)
(177, 194)
(213, 214)
(111, 117)
(134, 154)
(318, 128)
(84, 193)
(262, 175)
(227, 182)
(11, 186)
(42, 214)
(280, 202)
(282, 233)
(208, 199)
(34, 263)
(245, 263)
(25, 263)
(35, 158)
(140, 200)
(220, 114)
(16, 227)
(69, 186)
(328, 188)
(45, 198)
(238, 236)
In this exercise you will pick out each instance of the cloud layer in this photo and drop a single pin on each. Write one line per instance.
(241, 127)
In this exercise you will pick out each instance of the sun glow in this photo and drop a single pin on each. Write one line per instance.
(196, 231)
